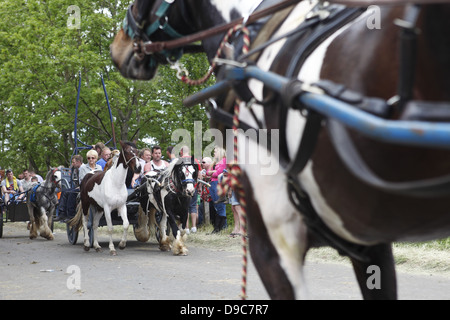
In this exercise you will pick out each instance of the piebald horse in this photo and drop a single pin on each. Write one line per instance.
(169, 193)
(360, 219)
(42, 200)
(104, 191)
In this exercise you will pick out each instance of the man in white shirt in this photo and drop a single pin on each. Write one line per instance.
(157, 164)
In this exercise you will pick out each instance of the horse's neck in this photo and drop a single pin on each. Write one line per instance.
(210, 13)
(118, 173)
(170, 178)
(48, 185)
(215, 12)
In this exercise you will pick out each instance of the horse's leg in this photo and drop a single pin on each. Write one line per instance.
(123, 214)
(46, 232)
(142, 231)
(376, 278)
(184, 219)
(164, 244)
(172, 222)
(50, 215)
(107, 211)
(33, 229)
(85, 219)
(95, 223)
(276, 261)
(178, 246)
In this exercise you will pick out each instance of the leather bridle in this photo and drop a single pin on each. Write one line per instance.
(140, 30)
(134, 27)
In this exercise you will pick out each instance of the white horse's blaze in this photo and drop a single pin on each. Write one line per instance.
(189, 175)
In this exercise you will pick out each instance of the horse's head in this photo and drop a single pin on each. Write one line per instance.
(186, 172)
(53, 178)
(56, 178)
(150, 20)
(129, 158)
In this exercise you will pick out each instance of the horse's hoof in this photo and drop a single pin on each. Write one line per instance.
(98, 249)
(86, 248)
(122, 246)
(164, 248)
(113, 252)
(48, 236)
(32, 237)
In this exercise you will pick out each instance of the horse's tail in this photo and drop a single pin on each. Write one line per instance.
(77, 221)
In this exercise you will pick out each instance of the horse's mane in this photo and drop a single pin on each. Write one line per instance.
(49, 174)
(172, 165)
(110, 163)
(129, 143)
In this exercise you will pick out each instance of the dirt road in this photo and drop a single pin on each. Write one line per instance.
(42, 269)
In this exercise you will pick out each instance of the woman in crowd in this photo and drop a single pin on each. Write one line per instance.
(91, 166)
(220, 221)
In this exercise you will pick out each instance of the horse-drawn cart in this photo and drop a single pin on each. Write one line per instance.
(132, 207)
(132, 213)
(15, 212)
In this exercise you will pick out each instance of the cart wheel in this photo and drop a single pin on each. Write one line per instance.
(72, 234)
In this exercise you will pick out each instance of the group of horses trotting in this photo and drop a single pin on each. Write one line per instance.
(167, 192)
(163, 192)
(335, 186)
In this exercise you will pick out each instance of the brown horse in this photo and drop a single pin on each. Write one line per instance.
(324, 203)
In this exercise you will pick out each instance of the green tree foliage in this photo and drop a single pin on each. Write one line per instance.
(41, 58)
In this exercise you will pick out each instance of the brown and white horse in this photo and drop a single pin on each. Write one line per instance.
(362, 58)
(104, 191)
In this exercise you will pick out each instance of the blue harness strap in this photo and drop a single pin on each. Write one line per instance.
(33, 193)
